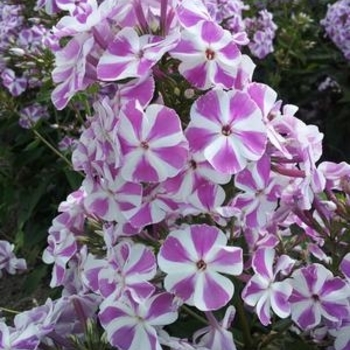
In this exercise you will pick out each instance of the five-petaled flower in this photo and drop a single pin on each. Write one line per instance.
(263, 290)
(227, 126)
(193, 258)
(316, 295)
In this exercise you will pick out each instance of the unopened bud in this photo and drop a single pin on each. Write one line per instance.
(17, 51)
(189, 93)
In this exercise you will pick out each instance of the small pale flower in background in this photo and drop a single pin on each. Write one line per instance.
(8, 261)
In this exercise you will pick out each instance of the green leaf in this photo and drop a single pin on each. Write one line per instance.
(34, 279)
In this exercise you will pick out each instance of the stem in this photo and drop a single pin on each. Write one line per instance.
(212, 320)
(52, 148)
(9, 310)
(273, 335)
(194, 314)
(245, 325)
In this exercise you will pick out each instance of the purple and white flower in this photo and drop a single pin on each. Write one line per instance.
(227, 126)
(193, 258)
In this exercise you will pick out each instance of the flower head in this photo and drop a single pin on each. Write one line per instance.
(193, 258)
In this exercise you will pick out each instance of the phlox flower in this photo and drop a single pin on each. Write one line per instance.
(196, 171)
(209, 56)
(345, 267)
(8, 261)
(131, 56)
(71, 68)
(62, 243)
(80, 9)
(132, 326)
(98, 147)
(15, 85)
(206, 199)
(316, 295)
(227, 126)
(153, 145)
(262, 29)
(260, 193)
(31, 114)
(191, 12)
(193, 258)
(266, 99)
(262, 291)
(216, 335)
(24, 339)
(129, 268)
(62, 246)
(109, 197)
(156, 204)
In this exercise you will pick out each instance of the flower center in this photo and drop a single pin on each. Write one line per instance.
(226, 130)
(315, 297)
(144, 145)
(193, 164)
(201, 265)
(209, 54)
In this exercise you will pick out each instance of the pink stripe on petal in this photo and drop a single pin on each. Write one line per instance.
(245, 181)
(196, 75)
(241, 106)
(140, 291)
(175, 156)
(144, 264)
(99, 206)
(335, 289)
(184, 288)
(123, 337)
(144, 171)
(217, 292)
(280, 304)
(261, 171)
(253, 291)
(308, 318)
(209, 106)
(186, 47)
(141, 217)
(173, 250)
(227, 260)
(144, 67)
(204, 237)
(199, 138)
(126, 43)
(345, 265)
(111, 71)
(230, 51)
(263, 310)
(226, 159)
(211, 32)
(167, 122)
(161, 303)
(263, 261)
(253, 143)
(335, 311)
(223, 77)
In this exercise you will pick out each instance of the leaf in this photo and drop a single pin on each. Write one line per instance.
(34, 279)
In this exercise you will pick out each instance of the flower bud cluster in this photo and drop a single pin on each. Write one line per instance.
(337, 25)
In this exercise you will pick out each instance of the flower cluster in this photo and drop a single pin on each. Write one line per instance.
(22, 45)
(337, 25)
(201, 190)
(262, 30)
